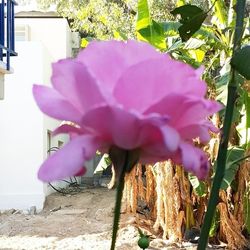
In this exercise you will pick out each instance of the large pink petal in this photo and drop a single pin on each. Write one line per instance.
(199, 129)
(107, 60)
(184, 110)
(147, 82)
(194, 131)
(172, 105)
(68, 160)
(114, 125)
(73, 80)
(163, 147)
(130, 130)
(194, 160)
(54, 104)
(196, 111)
(158, 138)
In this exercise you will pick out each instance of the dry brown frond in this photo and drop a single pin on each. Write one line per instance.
(202, 207)
(151, 190)
(230, 229)
(243, 179)
(168, 201)
(130, 191)
(141, 189)
(160, 215)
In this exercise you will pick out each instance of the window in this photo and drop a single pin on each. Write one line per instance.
(60, 144)
(22, 33)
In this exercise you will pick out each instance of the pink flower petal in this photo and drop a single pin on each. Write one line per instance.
(68, 160)
(194, 131)
(194, 160)
(67, 129)
(54, 104)
(197, 110)
(158, 137)
(81, 172)
(186, 112)
(107, 60)
(73, 80)
(199, 72)
(162, 146)
(172, 105)
(114, 125)
(147, 82)
(129, 130)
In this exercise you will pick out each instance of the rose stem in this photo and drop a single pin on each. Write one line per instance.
(118, 201)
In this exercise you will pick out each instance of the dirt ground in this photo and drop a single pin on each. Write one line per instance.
(80, 221)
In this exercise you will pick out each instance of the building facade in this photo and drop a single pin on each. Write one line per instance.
(25, 133)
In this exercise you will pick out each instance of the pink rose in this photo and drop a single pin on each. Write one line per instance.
(128, 95)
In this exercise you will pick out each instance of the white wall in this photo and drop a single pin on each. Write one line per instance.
(53, 33)
(23, 128)
(21, 132)
(1, 86)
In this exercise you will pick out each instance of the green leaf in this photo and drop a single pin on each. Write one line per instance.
(119, 35)
(247, 106)
(197, 54)
(193, 43)
(232, 166)
(222, 94)
(187, 12)
(178, 44)
(241, 61)
(198, 186)
(246, 209)
(153, 34)
(192, 18)
(147, 29)
(189, 28)
(143, 15)
(184, 56)
(208, 33)
(215, 224)
(171, 28)
(243, 128)
(180, 3)
(221, 12)
(193, 46)
(85, 41)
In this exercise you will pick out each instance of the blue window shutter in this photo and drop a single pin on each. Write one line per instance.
(7, 31)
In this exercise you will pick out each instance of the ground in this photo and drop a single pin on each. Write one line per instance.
(79, 221)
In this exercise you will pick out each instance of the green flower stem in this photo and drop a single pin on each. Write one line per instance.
(118, 201)
(220, 170)
(222, 154)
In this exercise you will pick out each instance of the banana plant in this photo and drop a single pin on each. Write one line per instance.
(206, 37)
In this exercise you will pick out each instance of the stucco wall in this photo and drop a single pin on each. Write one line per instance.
(23, 128)
(53, 33)
(1, 86)
(21, 132)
